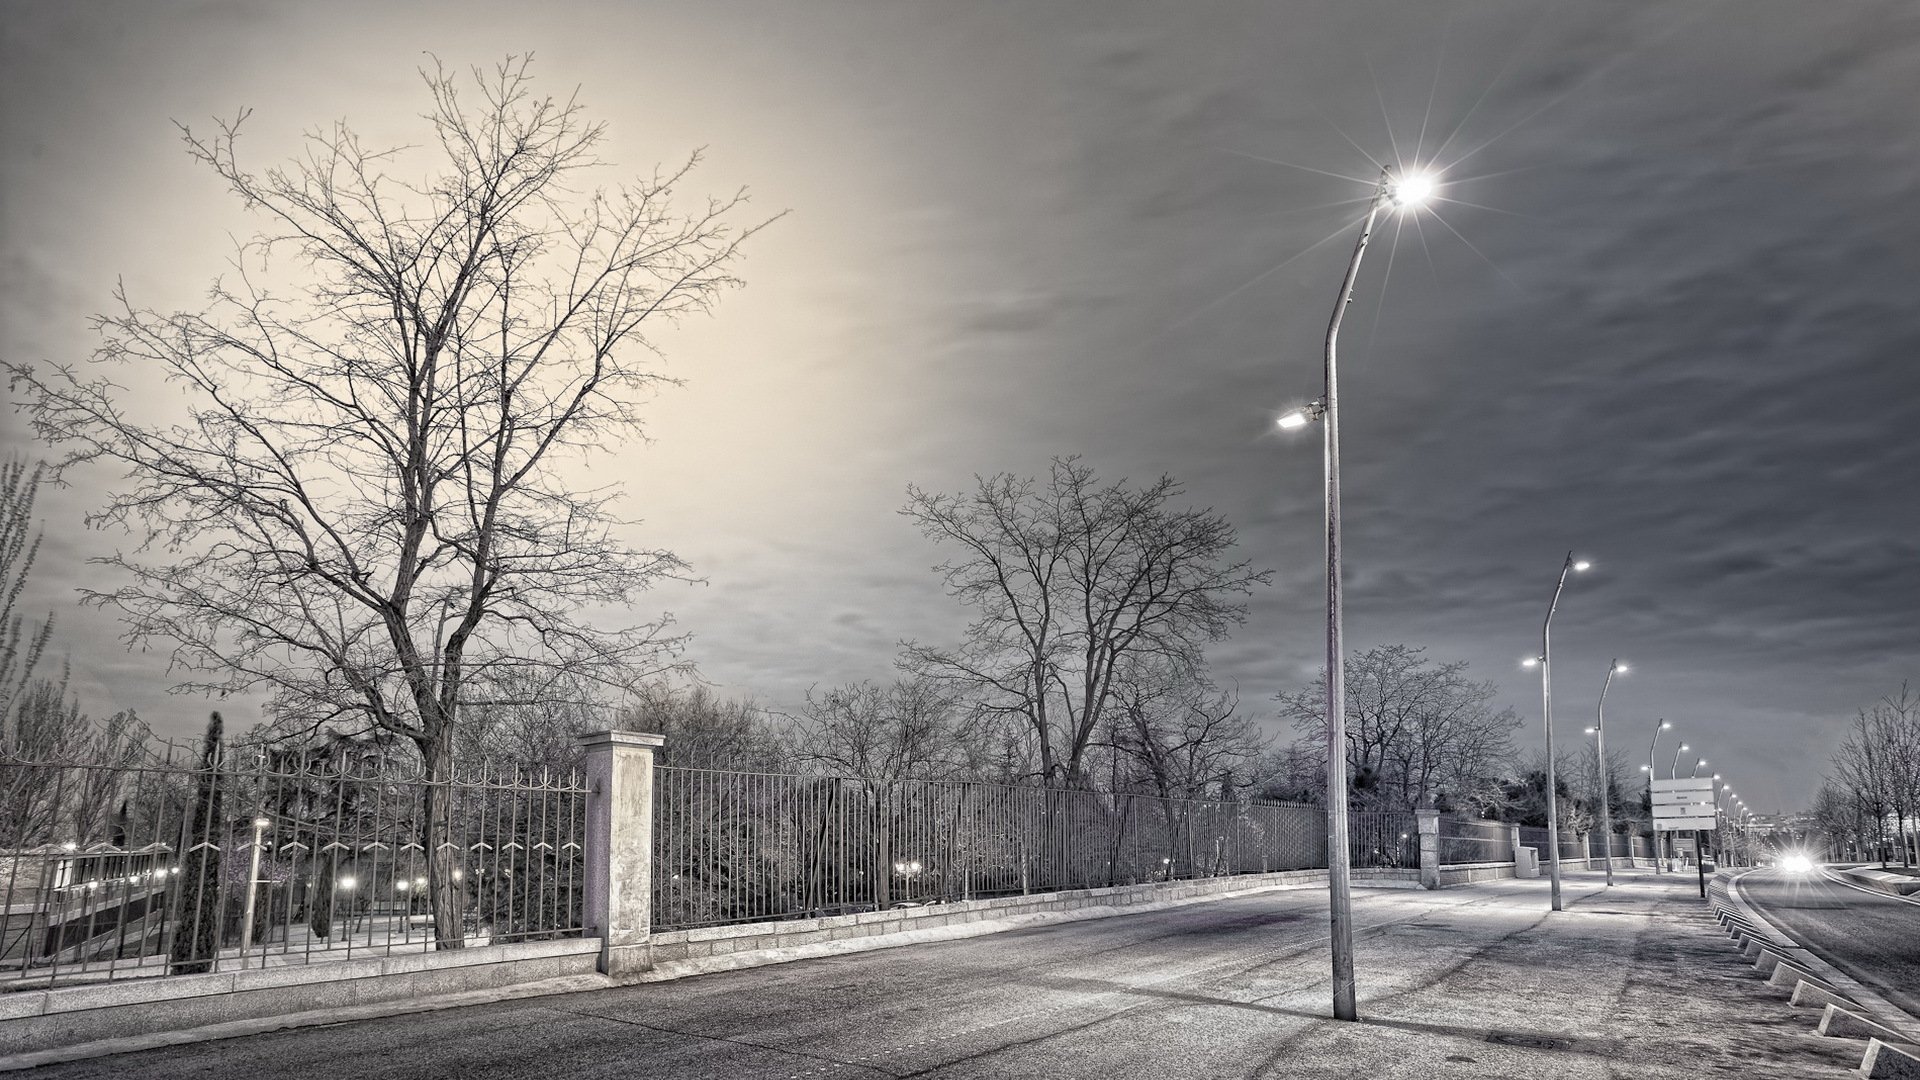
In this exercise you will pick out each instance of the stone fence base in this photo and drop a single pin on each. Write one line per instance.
(33, 1020)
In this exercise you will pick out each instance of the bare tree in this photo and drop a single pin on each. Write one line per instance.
(702, 729)
(365, 509)
(1183, 737)
(908, 730)
(1070, 581)
(1879, 762)
(1415, 728)
(20, 648)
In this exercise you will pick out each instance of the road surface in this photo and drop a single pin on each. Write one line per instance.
(1873, 937)
(1475, 982)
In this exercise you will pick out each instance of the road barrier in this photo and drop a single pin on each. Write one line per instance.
(1891, 1052)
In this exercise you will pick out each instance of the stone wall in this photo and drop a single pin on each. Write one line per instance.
(71, 1015)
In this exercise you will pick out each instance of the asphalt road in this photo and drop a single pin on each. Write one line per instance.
(1871, 936)
(1463, 984)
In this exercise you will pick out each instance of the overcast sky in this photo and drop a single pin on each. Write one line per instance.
(1666, 317)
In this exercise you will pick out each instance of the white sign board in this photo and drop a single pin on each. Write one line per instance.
(1698, 784)
(1673, 824)
(1681, 798)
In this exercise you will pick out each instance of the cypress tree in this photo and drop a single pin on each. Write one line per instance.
(196, 920)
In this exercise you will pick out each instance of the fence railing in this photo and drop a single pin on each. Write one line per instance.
(1383, 839)
(171, 866)
(742, 847)
(1467, 840)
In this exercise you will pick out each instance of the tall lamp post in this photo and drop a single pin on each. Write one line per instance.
(1727, 821)
(1600, 769)
(1545, 660)
(1673, 771)
(1651, 747)
(1406, 191)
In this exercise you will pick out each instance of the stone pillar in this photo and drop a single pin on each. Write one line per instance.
(618, 902)
(1429, 822)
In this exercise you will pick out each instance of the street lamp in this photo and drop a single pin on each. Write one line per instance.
(1600, 766)
(1695, 771)
(1674, 769)
(260, 825)
(1545, 660)
(1405, 191)
(1651, 747)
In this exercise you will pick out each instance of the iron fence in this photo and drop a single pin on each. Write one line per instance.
(1622, 846)
(1383, 839)
(176, 865)
(1537, 838)
(735, 847)
(1467, 840)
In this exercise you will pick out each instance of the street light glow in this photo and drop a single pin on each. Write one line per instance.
(1294, 419)
(1411, 190)
(1583, 566)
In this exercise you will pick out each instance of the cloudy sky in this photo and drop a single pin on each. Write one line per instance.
(1666, 317)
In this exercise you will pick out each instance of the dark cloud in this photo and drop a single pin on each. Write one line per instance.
(1674, 329)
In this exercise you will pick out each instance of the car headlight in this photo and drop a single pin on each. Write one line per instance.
(1796, 864)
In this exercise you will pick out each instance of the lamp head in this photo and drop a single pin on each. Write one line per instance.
(1583, 566)
(1531, 661)
(1665, 725)
(1301, 417)
(1410, 190)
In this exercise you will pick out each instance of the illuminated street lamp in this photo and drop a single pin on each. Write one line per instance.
(1651, 747)
(1673, 771)
(1405, 191)
(1599, 730)
(1545, 660)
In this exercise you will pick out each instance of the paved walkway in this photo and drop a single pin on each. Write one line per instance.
(1635, 981)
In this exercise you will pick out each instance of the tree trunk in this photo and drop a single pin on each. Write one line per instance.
(444, 853)
(443, 861)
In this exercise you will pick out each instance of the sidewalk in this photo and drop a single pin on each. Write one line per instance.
(1481, 981)
(1637, 980)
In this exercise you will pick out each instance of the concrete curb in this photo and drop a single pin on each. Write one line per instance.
(1808, 996)
(1788, 976)
(1839, 1023)
(1787, 965)
(1887, 1061)
(1838, 981)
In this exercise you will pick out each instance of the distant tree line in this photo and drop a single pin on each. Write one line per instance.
(1869, 805)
